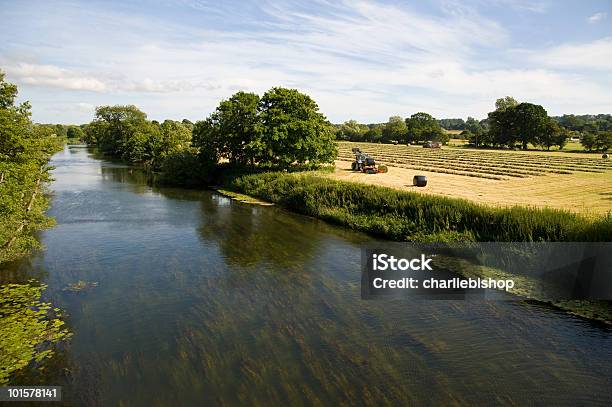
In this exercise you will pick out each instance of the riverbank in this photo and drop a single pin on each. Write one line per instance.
(408, 216)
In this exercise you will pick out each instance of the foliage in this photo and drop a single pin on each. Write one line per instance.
(125, 132)
(452, 124)
(589, 141)
(394, 130)
(281, 129)
(351, 130)
(293, 130)
(74, 133)
(186, 168)
(232, 131)
(423, 127)
(30, 328)
(401, 215)
(25, 149)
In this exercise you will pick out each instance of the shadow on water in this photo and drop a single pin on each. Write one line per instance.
(202, 300)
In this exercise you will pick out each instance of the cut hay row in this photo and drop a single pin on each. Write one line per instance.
(439, 170)
(488, 154)
(482, 164)
(488, 157)
(423, 164)
(485, 159)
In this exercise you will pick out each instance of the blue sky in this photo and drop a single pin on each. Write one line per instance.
(363, 60)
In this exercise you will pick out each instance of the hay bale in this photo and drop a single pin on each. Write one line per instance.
(419, 181)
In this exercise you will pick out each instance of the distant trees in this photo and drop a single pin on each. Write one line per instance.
(524, 123)
(282, 128)
(74, 132)
(352, 130)
(597, 142)
(124, 131)
(452, 124)
(423, 127)
(394, 130)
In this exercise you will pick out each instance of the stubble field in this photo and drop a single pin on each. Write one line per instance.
(577, 182)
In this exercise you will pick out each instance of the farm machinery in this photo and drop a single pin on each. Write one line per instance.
(366, 164)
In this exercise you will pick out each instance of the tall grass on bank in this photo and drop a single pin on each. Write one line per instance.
(409, 216)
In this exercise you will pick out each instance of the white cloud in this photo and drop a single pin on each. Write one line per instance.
(358, 59)
(591, 55)
(597, 17)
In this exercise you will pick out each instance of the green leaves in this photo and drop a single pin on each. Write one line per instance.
(30, 328)
(282, 128)
(25, 149)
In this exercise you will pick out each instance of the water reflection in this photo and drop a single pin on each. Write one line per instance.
(203, 300)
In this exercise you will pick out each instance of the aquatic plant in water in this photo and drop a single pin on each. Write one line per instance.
(30, 328)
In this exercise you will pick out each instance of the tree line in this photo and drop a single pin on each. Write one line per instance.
(25, 149)
(511, 124)
(280, 129)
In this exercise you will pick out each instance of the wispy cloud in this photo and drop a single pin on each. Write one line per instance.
(597, 17)
(358, 59)
(590, 55)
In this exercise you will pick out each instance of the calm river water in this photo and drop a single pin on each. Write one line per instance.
(201, 300)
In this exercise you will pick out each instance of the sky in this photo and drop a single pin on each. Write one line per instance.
(362, 60)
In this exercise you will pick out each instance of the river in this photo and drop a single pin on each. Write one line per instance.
(203, 300)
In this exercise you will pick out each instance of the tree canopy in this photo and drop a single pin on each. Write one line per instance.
(282, 128)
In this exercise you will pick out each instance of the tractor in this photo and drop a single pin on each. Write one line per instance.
(366, 164)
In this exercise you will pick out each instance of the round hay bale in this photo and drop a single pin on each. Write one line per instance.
(605, 156)
(419, 181)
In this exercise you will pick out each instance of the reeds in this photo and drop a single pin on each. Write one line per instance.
(409, 216)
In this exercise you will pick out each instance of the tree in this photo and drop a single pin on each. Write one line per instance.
(374, 133)
(423, 127)
(603, 141)
(235, 125)
(588, 141)
(74, 132)
(549, 136)
(394, 130)
(505, 103)
(561, 138)
(293, 130)
(113, 128)
(452, 124)
(530, 122)
(351, 130)
(25, 149)
(475, 129)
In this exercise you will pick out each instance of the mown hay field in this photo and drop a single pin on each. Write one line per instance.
(577, 182)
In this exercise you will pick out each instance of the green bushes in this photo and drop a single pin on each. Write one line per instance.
(400, 215)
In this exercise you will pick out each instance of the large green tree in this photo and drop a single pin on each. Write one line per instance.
(530, 122)
(231, 131)
(293, 130)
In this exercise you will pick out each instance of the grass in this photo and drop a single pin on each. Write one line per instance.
(410, 216)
